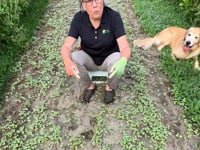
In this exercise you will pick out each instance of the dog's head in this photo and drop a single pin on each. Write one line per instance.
(192, 38)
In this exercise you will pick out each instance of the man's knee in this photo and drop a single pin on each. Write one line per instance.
(75, 56)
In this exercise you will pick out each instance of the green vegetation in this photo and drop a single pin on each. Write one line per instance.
(37, 130)
(76, 143)
(40, 125)
(155, 15)
(18, 22)
(45, 112)
(191, 9)
(11, 30)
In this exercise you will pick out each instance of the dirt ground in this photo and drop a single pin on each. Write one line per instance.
(61, 94)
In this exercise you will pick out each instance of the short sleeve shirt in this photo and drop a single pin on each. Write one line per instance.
(101, 42)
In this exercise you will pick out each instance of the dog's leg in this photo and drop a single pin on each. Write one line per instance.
(173, 56)
(144, 44)
(196, 63)
(193, 54)
(160, 45)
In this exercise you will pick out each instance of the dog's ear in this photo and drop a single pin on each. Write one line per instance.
(190, 29)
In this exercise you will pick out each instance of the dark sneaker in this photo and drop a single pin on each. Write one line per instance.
(109, 96)
(87, 94)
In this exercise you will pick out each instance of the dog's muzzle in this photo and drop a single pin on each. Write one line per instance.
(188, 44)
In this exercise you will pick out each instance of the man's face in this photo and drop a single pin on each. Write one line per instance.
(94, 8)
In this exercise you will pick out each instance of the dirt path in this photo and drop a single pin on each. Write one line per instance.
(46, 112)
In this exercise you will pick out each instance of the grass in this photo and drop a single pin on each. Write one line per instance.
(155, 15)
(12, 54)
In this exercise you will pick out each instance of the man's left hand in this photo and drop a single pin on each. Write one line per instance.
(118, 67)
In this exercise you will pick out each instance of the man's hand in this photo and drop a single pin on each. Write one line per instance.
(72, 70)
(118, 67)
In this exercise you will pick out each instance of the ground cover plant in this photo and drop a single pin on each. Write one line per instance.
(43, 109)
(185, 79)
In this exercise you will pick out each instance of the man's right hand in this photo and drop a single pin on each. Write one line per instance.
(72, 70)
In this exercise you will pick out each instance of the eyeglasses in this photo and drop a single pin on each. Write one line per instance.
(90, 2)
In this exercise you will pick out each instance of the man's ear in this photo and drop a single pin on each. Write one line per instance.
(83, 7)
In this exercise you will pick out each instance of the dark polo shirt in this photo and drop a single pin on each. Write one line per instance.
(100, 42)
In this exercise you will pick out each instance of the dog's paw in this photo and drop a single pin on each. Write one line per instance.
(186, 57)
(196, 65)
(197, 69)
(135, 43)
(138, 44)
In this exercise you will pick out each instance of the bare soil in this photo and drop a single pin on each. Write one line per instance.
(63, 96)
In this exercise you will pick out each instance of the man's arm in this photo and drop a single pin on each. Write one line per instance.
(124, 47)
(118, 67)
(66, 49)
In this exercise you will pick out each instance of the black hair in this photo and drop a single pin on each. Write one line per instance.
(80, 4)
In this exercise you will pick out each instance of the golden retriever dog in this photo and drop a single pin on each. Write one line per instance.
(184, 43)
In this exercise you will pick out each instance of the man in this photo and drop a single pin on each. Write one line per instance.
(104, 47)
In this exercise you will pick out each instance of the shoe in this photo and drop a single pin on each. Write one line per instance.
(109, 96)
(87, 94)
